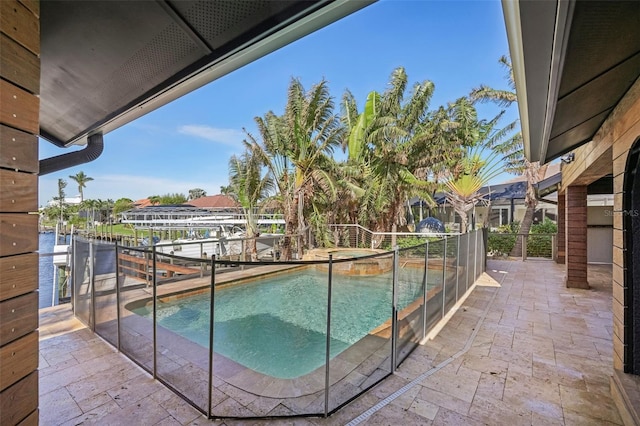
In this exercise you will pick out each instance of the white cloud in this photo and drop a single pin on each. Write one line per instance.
(225, 136)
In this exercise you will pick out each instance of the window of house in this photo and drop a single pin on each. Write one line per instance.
(499, 216)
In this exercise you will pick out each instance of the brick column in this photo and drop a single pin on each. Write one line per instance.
(560, 240)
(576, 236)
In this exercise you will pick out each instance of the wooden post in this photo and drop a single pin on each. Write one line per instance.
(19, 125)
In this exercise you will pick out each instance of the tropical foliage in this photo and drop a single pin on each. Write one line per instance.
(249, 186)
(62, 184)
(399, 148)
(167, 199)
(512, 148)
(475, 170)
(539, 241)
(396, 148)
(296, 150)
(121, 205)
(196, 193)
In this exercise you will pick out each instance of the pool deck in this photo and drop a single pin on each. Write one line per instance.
(521, 350)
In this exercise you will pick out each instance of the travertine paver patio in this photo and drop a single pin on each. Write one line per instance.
(522, 349)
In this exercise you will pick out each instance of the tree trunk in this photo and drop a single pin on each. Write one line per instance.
(525, 226)
(290, 225)
(410, 218)
(464, 222)
(301, 234)
(254, 249)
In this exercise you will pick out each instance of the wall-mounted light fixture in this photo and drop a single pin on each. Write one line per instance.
(566, 159)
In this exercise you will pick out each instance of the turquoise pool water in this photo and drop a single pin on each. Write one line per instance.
(277, 325)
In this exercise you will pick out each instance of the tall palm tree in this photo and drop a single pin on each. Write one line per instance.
(249, 186)
(296, 148)
(85, 206)
(512, 148)
(81, 179)
(62, 184)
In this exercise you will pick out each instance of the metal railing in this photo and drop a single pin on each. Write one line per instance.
(287, 338)
(353, 235)
(533, 245)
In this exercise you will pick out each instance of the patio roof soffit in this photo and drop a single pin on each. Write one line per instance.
(106, 63)
(573, 61)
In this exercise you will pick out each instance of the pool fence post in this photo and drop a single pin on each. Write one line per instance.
(74, 241)
(202, 263)
(394, 310)
(475, 259)
(92, 294)
(444, 274)
(211, 318)
(155, 311)
(468, 256)
(425, 294)
(458, 264)
(118, 313)
(327, 355)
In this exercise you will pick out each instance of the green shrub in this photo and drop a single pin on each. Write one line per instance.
(546, 227)
(500, 244)
(541, 245)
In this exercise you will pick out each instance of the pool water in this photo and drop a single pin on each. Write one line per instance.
(277, 325)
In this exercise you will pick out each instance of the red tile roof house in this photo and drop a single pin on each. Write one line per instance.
(216, 203)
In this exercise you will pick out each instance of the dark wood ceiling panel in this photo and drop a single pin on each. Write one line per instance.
(603, 34)
(99, 56)
(104, 63)
(571, 139)
(598, 95)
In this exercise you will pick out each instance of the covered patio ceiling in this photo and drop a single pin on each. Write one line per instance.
(106, 63)
(573, 61)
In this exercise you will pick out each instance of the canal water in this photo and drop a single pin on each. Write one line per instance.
(46, 242)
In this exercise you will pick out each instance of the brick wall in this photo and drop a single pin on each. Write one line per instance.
(576, 236)
(561, 230)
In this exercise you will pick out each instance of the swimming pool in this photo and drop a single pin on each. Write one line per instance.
(277, 325)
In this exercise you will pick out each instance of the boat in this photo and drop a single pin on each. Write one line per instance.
(61, 292)
(227, 242)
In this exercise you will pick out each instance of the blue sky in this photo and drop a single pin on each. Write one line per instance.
(187, 143)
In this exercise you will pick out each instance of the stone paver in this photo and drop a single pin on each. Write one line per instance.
(526, 350)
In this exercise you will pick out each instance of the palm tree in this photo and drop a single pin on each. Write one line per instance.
(173, 198)
(472, 173)
(402, 144)
(87, 205)
(296, 150)
(512, 149)
(81, 179)
(154, 199)
(62, 184)
(248, 186)
(196, 193)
